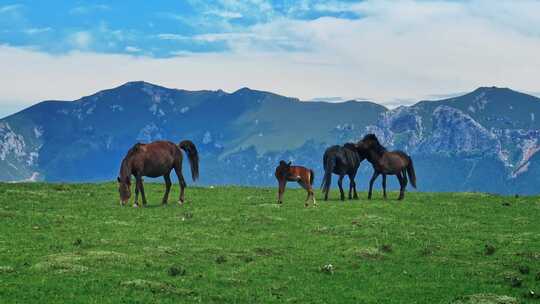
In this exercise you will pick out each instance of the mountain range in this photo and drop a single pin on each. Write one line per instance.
(486, 140)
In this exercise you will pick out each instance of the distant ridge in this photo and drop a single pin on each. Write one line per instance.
(485, 140)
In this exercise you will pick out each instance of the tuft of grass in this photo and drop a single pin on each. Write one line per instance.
(489, 249)
(155, 287)
(59, 267)
(524, 269)
(176, 271)
(6, 269)
(486, 299)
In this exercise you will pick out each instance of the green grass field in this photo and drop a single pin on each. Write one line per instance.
(75, 244)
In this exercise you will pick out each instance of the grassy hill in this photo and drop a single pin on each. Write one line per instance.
(73, 243)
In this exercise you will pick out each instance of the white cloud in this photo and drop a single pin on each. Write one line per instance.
(9, 8)
(397, 52)
(37, 30)
(168, 36)
(81, 40)
(79, 10)
(225, 14)
(132, 49)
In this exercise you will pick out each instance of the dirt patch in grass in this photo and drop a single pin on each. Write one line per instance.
(369, 253)
(6, 269)
(429, 250)
(485, 299)
(529, 255)
(75, 262)
(59, 266)
(338, 230)
(61, 187)
(162, 250)
(7, 214)
(156, 287)
(370, 220)
(116, 223)
(263, 251)
(104, 255)
(264, 219)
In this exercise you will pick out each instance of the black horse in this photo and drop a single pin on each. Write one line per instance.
(385, 162)
(341, 160)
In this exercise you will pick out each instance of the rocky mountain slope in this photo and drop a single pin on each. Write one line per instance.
(486, 140)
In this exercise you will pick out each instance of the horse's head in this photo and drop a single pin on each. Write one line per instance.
(284, 163)
(283, 169)
(124, 188)
(368, 143)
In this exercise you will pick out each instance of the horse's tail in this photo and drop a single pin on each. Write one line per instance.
(329, 165)
(410, 172)
(189, 147)
(311, 177)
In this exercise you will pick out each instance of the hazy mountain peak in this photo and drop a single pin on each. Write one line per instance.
(489, 130)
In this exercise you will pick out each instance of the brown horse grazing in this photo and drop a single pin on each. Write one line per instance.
(387, 163)
(304, 176)
(153, 160)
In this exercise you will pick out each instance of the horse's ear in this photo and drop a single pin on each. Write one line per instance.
(289, 163)
(118, 179)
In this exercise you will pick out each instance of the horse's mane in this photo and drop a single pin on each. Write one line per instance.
(379, 149)
(350, 146)
(124, 168)
(133, 150)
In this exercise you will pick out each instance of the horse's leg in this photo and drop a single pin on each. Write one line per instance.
(136, 202)
(403, 183)
(384, 185)
(312, 195)
(404, 176)
(141, 188)
(354, 184)
(307, 187)
(281, 189)
(351, 181)
(371, 181)
(181, 183)
(340, 184)
(400, 179)
(167, 178)
(328, 190)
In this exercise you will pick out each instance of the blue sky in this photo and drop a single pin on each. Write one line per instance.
(149, 28)
(391, 52)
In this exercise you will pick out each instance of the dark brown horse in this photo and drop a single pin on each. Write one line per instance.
(304, 176)
(153, 160)
(341, 160)
(387, 163)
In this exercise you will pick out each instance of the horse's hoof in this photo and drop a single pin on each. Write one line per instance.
(181, 203)
(306, 205)
(135, 206)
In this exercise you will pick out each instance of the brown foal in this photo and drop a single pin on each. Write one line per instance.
(304, 176)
